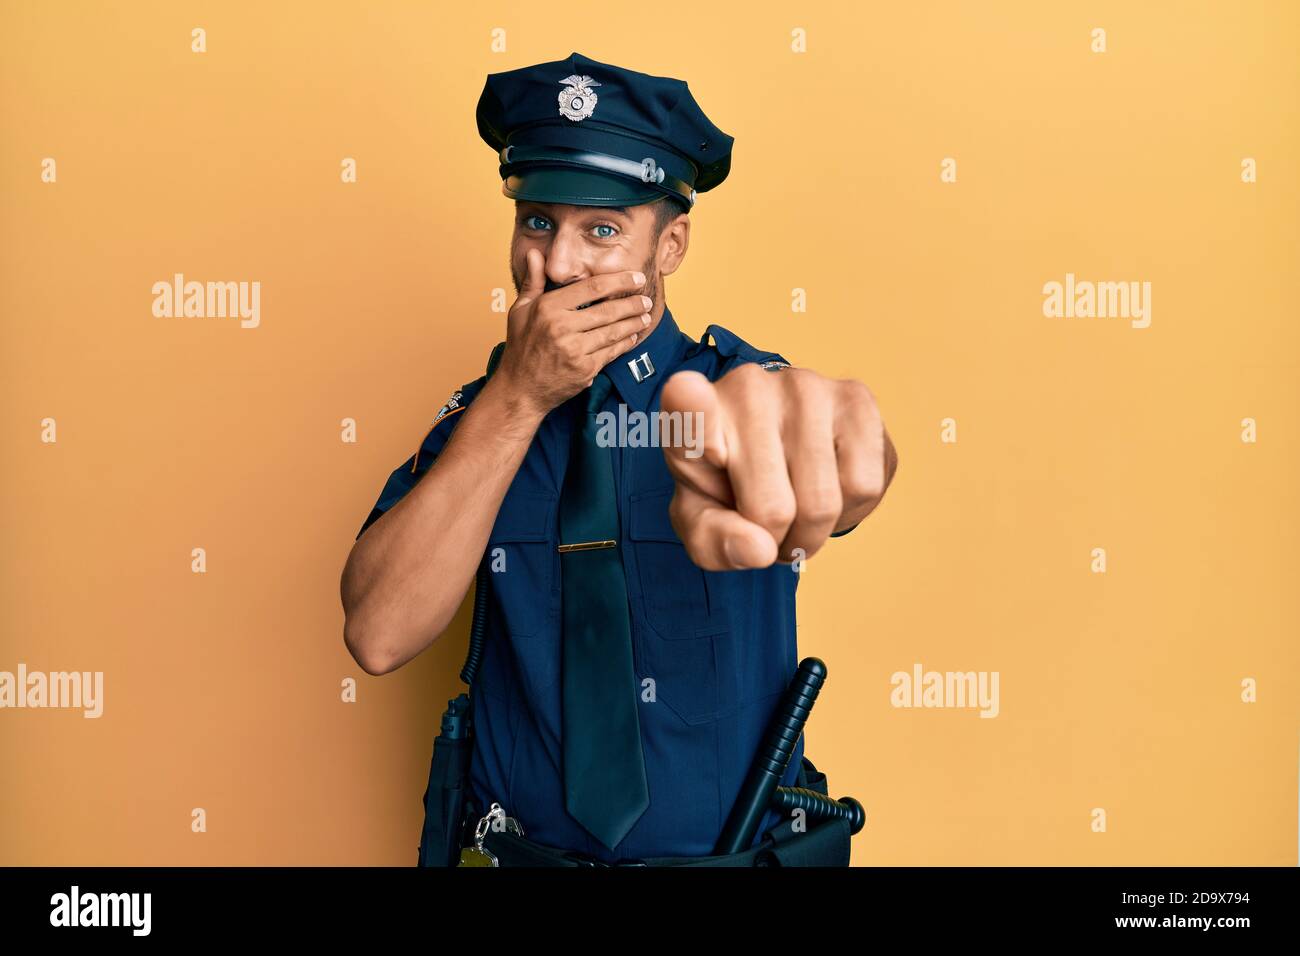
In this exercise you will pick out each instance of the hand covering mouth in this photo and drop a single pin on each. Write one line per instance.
(588, 305)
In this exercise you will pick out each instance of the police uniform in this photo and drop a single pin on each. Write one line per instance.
(719, 647)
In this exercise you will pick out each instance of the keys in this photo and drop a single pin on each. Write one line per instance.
(495, 819)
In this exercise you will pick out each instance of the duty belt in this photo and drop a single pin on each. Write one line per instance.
(822, 844)
(825, 843)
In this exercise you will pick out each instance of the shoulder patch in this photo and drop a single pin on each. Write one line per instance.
(456, 404)
(453, 405)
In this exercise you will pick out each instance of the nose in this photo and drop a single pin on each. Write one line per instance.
(564, 259)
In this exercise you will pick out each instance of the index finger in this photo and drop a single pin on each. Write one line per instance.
(695, 448)
(588, 290)
(716, 537)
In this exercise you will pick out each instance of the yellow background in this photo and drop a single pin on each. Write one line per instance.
(222, 690)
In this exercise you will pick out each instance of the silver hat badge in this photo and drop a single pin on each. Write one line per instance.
(577, 100)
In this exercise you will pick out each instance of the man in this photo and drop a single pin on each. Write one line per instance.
(641, 624)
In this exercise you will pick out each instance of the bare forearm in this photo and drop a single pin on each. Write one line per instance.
(408, 573)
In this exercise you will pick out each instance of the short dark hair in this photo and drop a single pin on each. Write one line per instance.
(666, 210)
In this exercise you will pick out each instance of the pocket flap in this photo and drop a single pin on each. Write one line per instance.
(649, 519)
(524, 516)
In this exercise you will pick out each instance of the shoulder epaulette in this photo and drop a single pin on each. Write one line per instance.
(730, 344)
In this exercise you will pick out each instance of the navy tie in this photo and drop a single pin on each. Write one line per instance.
(604, 769)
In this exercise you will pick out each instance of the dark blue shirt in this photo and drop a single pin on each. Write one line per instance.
(720, 646)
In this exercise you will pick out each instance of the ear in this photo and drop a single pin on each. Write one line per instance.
(673, 243)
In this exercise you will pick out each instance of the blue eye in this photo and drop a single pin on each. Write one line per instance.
(530, 222)
(608, 235)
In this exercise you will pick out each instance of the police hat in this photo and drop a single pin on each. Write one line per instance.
(586, 133)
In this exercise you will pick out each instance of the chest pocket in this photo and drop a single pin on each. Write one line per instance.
(521, 559)
(672, 585)
(678, 648)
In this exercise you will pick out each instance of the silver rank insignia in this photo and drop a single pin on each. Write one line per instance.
(577, 100)
(773, 365)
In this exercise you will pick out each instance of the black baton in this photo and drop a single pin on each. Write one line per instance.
(773, 757)
(820, 807)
